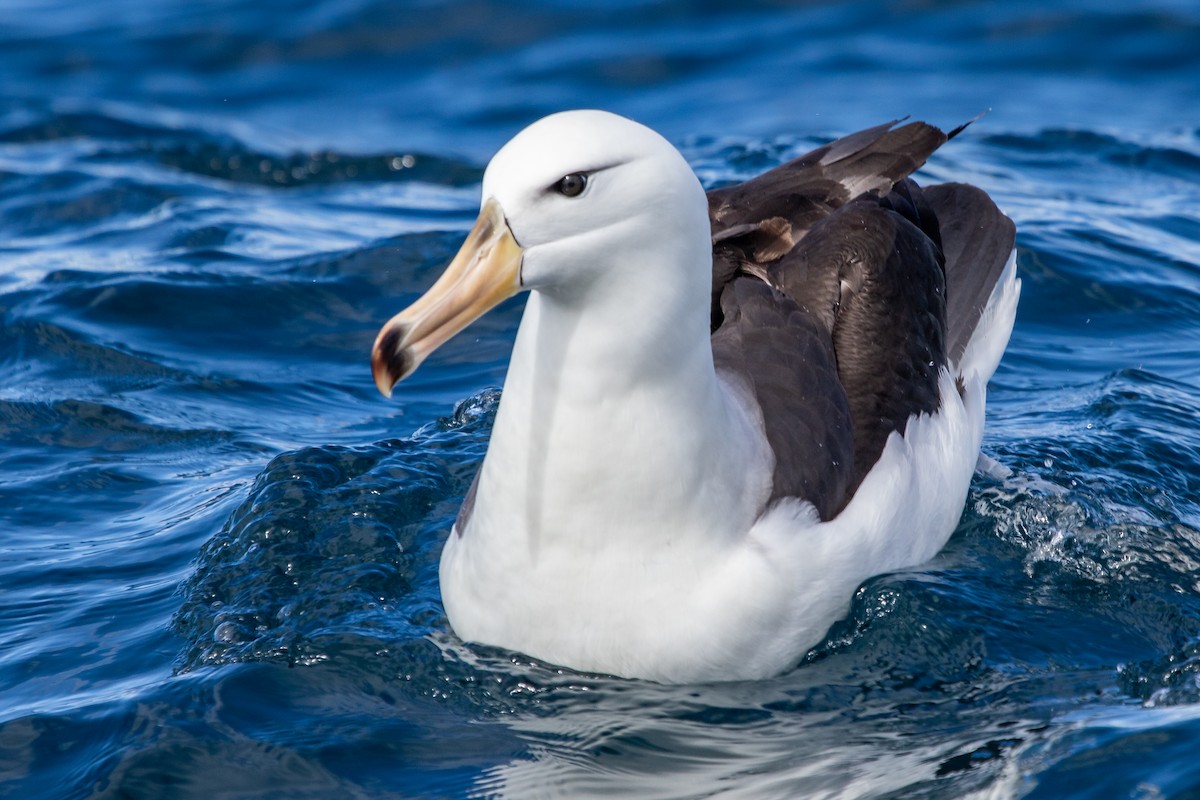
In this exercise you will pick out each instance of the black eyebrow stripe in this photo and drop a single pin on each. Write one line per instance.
(587, 173)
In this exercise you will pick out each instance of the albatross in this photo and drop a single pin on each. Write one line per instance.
(723, 411)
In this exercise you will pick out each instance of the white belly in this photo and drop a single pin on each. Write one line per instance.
(675, 609)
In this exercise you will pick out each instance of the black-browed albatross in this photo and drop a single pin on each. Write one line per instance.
(722, 412)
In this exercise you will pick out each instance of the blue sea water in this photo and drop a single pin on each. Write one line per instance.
(218, 543)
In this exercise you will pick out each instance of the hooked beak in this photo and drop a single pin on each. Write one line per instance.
(486, 271)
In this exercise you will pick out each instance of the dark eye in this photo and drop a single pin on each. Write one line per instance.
(572, 185)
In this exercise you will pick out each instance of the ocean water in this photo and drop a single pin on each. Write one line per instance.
(218, 543)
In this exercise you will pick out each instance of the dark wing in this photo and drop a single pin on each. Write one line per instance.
(853, 252)
(977, 239)
(783, 353)
(759, 221)
(876, 279)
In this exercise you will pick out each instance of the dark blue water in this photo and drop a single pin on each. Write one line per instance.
(218, 544)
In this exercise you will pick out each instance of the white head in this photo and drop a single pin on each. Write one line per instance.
(634, 183)
(578, 205)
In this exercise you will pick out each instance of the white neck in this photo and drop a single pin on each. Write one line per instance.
(603, 443)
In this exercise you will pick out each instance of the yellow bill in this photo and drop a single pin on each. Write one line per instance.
(486, 271)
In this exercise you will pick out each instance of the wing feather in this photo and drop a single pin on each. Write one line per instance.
(832, 296)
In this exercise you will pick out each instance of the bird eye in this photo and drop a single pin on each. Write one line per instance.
(572, 185)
